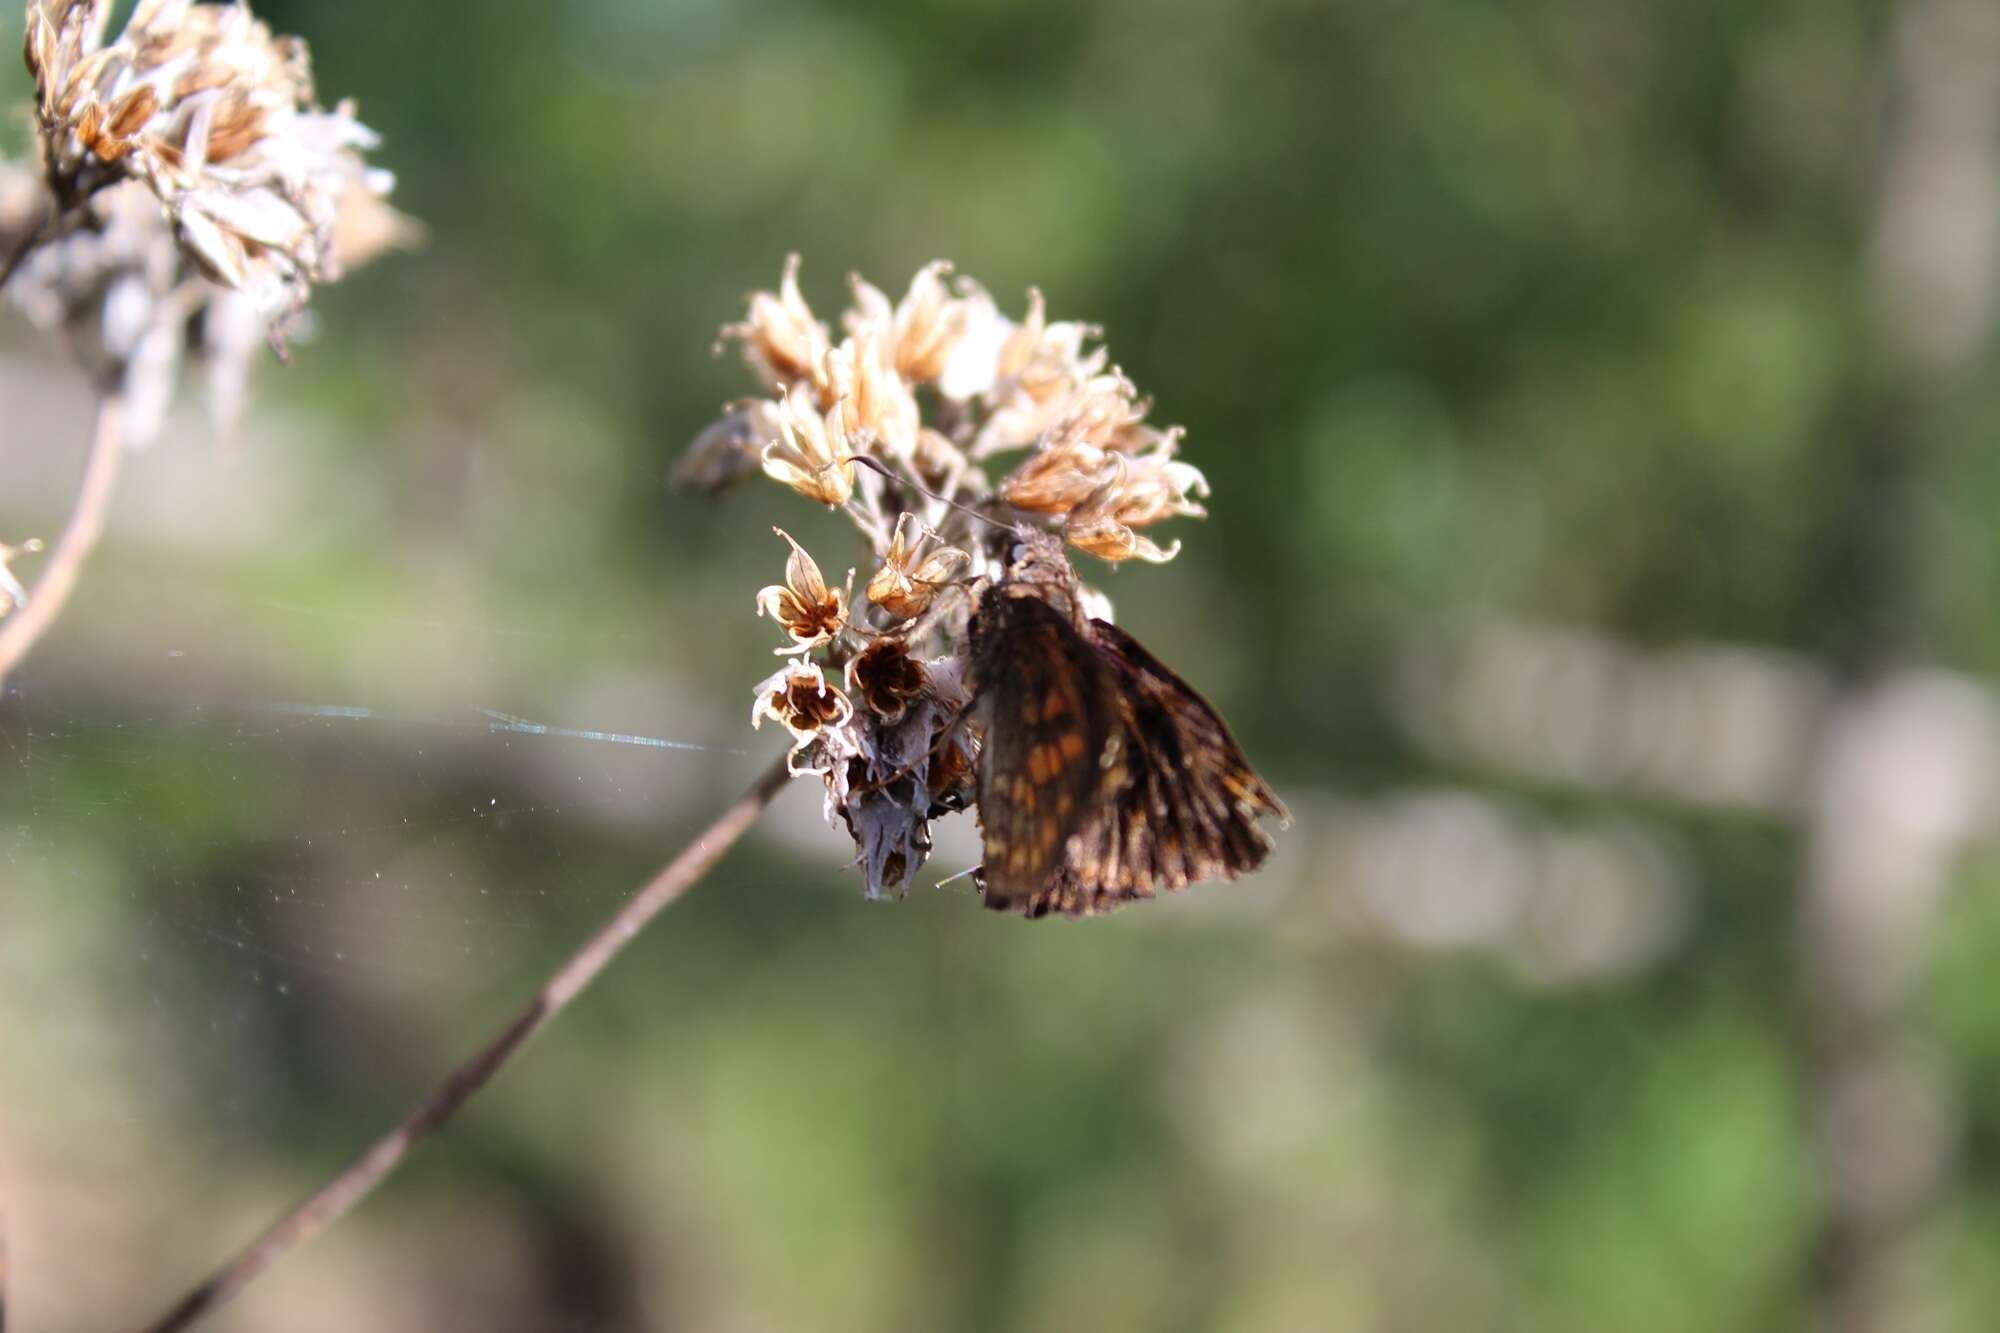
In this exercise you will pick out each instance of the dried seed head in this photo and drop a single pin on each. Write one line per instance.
(893, 425)
(1138, 492)
(781, 340)
(798, 698)
(217, 118)
(1055, 480)
(804, 607)
(812, 453)
(857, 379)
(730, 449)
(924, 328)
(887, 679)
(905, 584)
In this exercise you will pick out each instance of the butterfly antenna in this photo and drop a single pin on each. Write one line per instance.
(920, 489)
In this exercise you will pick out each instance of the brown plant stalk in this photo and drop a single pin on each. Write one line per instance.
(354, 1182)
(28, 622)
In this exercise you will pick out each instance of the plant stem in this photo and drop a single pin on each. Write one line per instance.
(30, 238)
(354, 1182)
(29, 621)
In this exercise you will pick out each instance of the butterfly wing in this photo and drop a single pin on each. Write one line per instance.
(1052, 752)
(1186, 808)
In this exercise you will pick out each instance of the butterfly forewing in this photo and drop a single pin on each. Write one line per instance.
(1104, 776)
(1051, 758)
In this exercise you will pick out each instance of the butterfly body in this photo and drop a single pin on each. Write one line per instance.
(1104, 777)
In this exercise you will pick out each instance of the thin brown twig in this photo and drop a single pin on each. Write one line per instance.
(358, 1178)
(29, 621)
(30, 238)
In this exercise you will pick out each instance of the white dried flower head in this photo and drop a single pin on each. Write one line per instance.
(812, 453)
(804, 607)
(892, 425)
(12, 594)
(781, 340)
(217, 117)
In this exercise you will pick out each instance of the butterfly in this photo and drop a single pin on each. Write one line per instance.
(1104, 777)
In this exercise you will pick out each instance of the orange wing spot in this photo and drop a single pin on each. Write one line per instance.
(1072, 746)
(1055, 704)
(1064, 804)
(1044, 763)
(1030, 714)
(1024, 793)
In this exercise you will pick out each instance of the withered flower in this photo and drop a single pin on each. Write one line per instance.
(217, 117)
(803, 605)
(1040, 369)
(185, 174)
(1139, 492)
(12, 594)
(730, 449)
(812, 453)
(904, 586)
(924, 328)
(798, 697)
(873, 402)
(1104, 412)
(895, 748)
(1056, 480)
(781, 340)
(887, 679)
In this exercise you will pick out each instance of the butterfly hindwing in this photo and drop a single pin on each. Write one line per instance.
(1051, 756)
(1186, 807)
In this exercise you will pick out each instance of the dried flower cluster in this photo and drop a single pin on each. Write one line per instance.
(896, 425)
(188, 184)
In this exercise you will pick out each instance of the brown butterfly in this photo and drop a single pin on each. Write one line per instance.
(1104, 777)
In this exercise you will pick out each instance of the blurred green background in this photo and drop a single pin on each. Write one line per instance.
(1591, 475)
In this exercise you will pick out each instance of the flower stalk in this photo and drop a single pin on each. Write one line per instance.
(30, 619)
(338, 1196)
